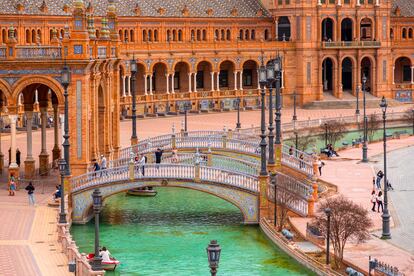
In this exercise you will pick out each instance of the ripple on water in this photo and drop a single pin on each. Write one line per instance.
(168, 234)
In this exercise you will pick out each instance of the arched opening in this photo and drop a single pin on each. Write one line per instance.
(181, 77)
(223, 36)
(97, 34)
(144, 35)
(4, 36)
(140, 83)
(241, 34)
(168, 35)
(404, 33)
(249, 74)
(366, 70)
(156, 35)
(121, 35)
(101, 120)
(192, 37)
(159, 79)
(228, 37)
(174, 38)
(216, 35)
(226, 79)
(131, 35)
(180, 35)
(149, 35)
(327, 75)
(204, 35)
(327, 29)
(410, 33)
(39, 36)
(346, 30)
(247, 35)
(366, 29)
(347, 74)
(198, 35)
(283, 29)
(391, 34)
(266, 34)
(203, 78)
(28, 37)
(33, 40)
(402, 73)
(253, 35)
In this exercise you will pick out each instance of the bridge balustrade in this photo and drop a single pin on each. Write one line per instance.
(293, 160)
(239, 180)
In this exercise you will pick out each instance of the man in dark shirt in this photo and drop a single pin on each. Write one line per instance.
(158, 155)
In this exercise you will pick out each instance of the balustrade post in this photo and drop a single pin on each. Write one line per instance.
(131, 168)
(197, 173)
(311, 206)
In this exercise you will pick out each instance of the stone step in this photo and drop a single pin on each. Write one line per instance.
(349, 104)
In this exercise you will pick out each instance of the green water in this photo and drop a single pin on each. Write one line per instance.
(168, 235)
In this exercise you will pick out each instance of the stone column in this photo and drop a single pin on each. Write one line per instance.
(167, 76)
(393, 75)
(146, 84)
(150, 78)
(212, 81)
(189, 82)
(195, 82)
(29, 163)
(241, 80)
(412, 74)
(56, 149)
(129, 85)
(44, 156)
(235, 80)
(218, 81)
(172, 84)
(123, 86)
(13, 167)
(36, 97)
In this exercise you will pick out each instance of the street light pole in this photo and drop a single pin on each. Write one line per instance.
(328, 233)
(386, 234)
(238, 124)
(278, 68)
(364, 145)
(134, 69)
(62, 170)
(294, 118)
(270, 74)
(97, 204)
(187, 107)
(357, 100)
(263, 82)
(66, 76)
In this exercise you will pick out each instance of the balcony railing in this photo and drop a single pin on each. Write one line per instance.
(351, 44)
(38, 52)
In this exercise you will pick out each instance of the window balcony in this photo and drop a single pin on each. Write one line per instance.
(350, 44)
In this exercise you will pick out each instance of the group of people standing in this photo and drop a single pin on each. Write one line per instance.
(377, 197)
(142, 159)
(29, 188)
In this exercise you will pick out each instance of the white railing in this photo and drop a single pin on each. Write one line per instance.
(230, 178)
(297, 159)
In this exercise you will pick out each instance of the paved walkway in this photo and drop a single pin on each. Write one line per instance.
(28, 237)
(354, 180)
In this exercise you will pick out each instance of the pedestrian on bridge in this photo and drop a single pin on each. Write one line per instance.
(30, 192)
(141, 164)
(158, 156)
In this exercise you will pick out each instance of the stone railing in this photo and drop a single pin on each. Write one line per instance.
(297, 160)
(69, 248)
(351, 44)
(38, 52)
(166, 171)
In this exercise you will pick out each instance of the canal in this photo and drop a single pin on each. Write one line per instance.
(168, 235)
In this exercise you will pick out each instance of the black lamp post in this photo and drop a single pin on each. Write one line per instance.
(213, 255)
(134, 69)
(328, 233)
(326, 135)
(62, 170)
(187, 106)
(364, 145)
(263, 82)
(238, 124)
(278, 71)
(357, 101)
(97, 205)
(65, 80)
(294, 118)
(386, 234)
(270, 75)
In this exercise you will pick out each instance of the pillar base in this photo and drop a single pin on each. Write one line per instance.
(278, 156)
(1, 163)
(134, 141)
(56, 153)
(44, 164)
(271, 168)
(263, 202)
(29, 168)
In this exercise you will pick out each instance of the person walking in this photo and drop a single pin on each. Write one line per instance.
(373, 200)
(379, 201)
(380, 175)
(103, 162)
(158, 156)
(320, 165)
(96, 166)
(30, 192)
(142, 163)
(12, 187)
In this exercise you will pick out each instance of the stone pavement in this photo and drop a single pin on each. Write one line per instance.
(354, 181)
(28, 237)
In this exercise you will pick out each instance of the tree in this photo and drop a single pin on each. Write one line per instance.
(305, 142)
(334, 131)
(348, 221)
(373, 124)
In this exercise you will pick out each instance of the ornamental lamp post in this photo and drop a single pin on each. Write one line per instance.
(62, 170)
(238, 124)
(263, 82)
(278, 70)
(364, 145)
(386, 234)
(328, 233)
(97, 205)
(213, 255)
(65, 80)
(134, 69)
(357, 101)
(187, 106)
(270, 75)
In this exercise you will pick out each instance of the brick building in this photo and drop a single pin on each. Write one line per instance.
(205, 53)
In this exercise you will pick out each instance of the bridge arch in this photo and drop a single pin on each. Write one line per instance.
(246, 202)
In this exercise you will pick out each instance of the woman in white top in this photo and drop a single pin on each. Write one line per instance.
(373, 200)
(105, 255)
(379, 202)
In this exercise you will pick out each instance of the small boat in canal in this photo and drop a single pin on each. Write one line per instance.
(147, 191)
(109, 266)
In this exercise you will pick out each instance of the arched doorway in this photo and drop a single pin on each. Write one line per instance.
(327, 75)
(366, 70)
(346, 30)
(226, 79)
(347, 78)
(181, 77)
(101, 120)
(159, 79)
(203, 78)
(402, 73)
(249, 80)
(366, 29)
(327, 29)
(283, 28)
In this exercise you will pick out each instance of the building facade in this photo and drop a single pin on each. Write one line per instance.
(202, 54)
